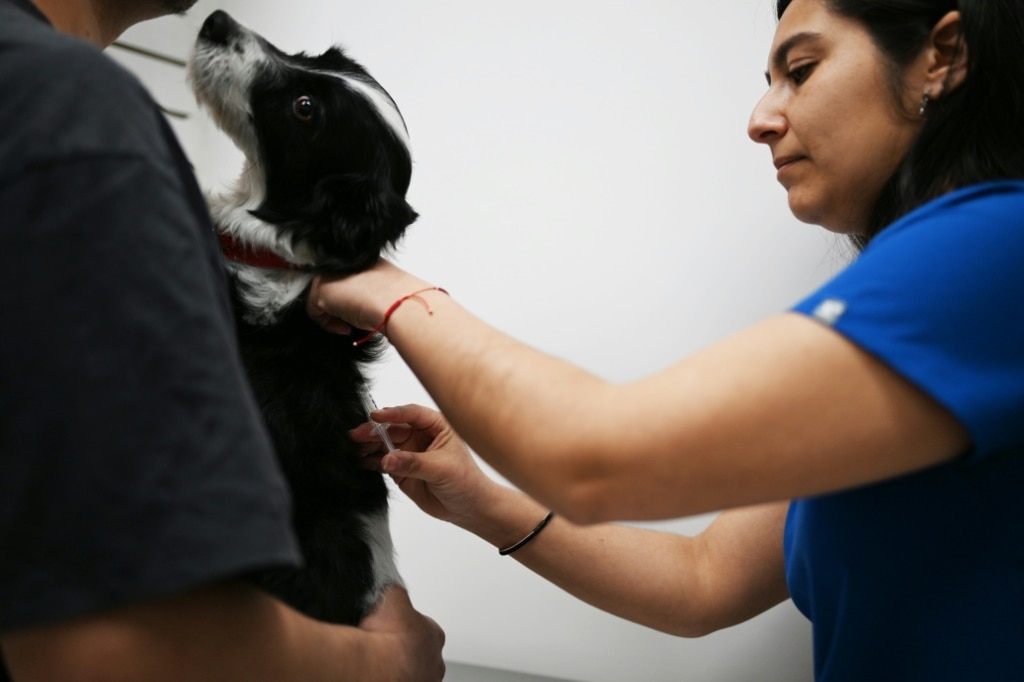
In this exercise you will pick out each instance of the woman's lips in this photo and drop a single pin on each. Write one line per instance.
(784, 164)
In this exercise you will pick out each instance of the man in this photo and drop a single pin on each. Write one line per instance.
(137, 484)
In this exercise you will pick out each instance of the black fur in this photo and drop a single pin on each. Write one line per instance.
(338, 182)
(333, 175)
(306, 382)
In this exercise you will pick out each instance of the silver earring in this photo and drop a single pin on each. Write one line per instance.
(925, 101)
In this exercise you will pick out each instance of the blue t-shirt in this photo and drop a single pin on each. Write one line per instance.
(922, 577)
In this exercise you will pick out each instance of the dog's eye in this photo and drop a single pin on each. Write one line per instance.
(304, 108)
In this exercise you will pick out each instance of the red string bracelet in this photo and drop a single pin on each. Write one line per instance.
(379, 329)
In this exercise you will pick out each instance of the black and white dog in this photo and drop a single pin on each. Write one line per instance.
(323, 190)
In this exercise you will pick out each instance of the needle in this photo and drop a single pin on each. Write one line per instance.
(380, 429)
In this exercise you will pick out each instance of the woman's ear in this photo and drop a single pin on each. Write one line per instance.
(947, 61)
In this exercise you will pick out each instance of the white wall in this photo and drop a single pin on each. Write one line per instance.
(586, 184)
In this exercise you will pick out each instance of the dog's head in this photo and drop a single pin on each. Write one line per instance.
(327, 148)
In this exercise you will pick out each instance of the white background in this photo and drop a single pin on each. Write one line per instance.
(585, 183)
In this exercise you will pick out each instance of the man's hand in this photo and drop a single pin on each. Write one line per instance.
(414, 640)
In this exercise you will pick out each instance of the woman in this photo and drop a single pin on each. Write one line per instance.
(887, 405)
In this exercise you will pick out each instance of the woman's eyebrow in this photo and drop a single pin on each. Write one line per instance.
(782, 51)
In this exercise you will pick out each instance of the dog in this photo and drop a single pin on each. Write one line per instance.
(327, 167)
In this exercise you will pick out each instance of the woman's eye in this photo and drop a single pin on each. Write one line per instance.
(304, 108)
(800, 73)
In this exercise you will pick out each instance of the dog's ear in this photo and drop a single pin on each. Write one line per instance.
(350, 220)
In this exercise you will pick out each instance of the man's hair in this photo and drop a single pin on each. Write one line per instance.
(973, 134)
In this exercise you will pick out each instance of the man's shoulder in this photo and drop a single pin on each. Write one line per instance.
(64, 100)
(60, 70)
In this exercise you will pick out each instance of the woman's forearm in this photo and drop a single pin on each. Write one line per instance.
(519, 408)
(679, 585)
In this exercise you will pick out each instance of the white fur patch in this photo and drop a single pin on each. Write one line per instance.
(221, 78)
(382, 549)
(381, 102)
(266, 291)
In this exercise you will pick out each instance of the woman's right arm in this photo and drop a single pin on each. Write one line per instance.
(229, 631)
(686, 586)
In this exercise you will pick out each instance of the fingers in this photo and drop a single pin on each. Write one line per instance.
(416, 415)
(393, 597)
(412, 427)
(319, 310)
(420, 638)
(415, 430)
(434, 468)
(398, 463)
(371, 462)
(403, 465)
(319, 315)
(393, 608)
(341, 305)
(396, 607)
(365, 434)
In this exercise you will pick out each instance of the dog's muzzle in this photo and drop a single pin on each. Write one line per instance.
(219, 28)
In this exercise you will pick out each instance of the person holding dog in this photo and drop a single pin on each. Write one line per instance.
(867, 445)
(138, 486)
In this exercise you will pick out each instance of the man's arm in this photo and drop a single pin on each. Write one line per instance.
(229, 631)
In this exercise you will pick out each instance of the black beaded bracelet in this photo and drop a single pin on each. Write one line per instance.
(530, 536)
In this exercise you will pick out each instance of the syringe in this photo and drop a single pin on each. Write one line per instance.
(381, 429)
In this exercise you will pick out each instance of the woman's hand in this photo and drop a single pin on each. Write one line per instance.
(341, 305)
(433, 466)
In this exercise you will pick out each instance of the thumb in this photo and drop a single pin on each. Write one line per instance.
(404, 464)
(435, 473)
(445, 483)
(421, 480)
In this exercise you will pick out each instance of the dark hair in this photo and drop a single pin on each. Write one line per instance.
(973, 134)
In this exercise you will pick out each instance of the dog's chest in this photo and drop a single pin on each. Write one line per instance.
(265, 293)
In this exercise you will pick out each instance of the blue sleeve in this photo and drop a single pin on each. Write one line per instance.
(938, 298)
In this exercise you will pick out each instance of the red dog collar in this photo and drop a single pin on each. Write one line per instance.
(259, 257)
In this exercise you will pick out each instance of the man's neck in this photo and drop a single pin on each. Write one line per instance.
(91, 20)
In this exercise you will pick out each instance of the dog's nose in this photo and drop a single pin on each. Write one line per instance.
(218, 28)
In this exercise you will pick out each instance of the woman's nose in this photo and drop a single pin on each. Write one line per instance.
(766, 120)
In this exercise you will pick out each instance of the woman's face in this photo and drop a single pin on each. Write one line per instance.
(829, 116)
